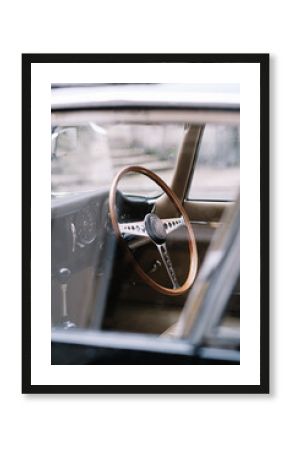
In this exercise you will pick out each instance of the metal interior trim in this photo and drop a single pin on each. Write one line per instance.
(122, 340)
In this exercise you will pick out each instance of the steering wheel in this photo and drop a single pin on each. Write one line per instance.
(157, 230)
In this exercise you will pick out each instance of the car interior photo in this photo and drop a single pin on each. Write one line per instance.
(145, 224)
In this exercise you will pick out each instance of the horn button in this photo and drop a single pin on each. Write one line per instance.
(155, 228)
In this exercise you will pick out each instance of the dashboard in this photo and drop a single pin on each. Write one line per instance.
(79, 223)
(81, 228)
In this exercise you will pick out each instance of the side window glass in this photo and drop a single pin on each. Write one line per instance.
(217, 171)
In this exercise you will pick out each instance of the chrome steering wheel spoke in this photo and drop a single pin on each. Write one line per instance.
(133, 228)
(172, 224)
(140, 229)
(168, 264)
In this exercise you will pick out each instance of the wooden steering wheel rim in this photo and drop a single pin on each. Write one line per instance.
(191, 241)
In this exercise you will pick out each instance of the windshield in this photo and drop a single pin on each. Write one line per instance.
(86, 157)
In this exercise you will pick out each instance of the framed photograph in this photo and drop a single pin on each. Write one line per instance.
(145, 223)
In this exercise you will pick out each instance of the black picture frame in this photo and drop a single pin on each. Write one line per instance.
(263, 61)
